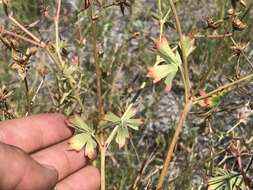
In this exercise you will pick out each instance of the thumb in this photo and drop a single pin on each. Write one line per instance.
(19, 171)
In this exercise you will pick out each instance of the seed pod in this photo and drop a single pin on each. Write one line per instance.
(238, 24)
(239, 48)
(213, 24)
(231, 11)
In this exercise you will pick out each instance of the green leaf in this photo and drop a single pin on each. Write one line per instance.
(165, 52)
(225, 180)
(111, 117)
(78, 141)
(64, 96)
(188, 45)
(129, 113)
(77, 122)
(161, 71)
(135, 127)
(134, 123)
(121, 136)
(170, 77)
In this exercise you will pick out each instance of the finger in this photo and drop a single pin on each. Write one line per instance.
(62, 159)
(35, 132)
(87, 178)
(19, 171)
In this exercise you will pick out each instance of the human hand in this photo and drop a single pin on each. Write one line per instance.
(34, 156)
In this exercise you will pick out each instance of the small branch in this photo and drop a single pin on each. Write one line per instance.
(248, 77)
(36, 93)
(4, 31)
(27, 97)
(57, 38)
(173, 143)
(25, 30)
(213, 36)
(236, 125)
(111, 137)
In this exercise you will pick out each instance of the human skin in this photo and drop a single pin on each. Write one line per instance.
(34, 156)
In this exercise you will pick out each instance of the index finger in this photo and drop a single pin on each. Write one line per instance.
(35, 132)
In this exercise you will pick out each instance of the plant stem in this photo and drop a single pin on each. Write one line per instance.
(173, 143)
(25, 30)
(27, 97)
(103, 147)
(102, 167)
(184, 58)
(248, 77)
(98, 69)
(57, 38)
(3, 31)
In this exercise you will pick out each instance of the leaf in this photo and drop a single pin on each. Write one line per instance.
(112, 117)
(169, 79)
(161, 71)
(129, 113)
(225, 180)
(90, 147)
(165, 52)
(122, 135)
(64, 96)
(188, 45)
(78, 141)
(134, 123)
(77, 122)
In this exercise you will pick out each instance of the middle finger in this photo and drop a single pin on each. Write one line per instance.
(64, 161)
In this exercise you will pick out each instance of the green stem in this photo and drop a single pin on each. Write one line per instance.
(248, 77)
(57, 38)
(102, 167)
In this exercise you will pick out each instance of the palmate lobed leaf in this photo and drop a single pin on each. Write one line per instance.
(85, 137)
(124, 122)
(225, 180)
(78, 123)
(83, 141)
(165, 52)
